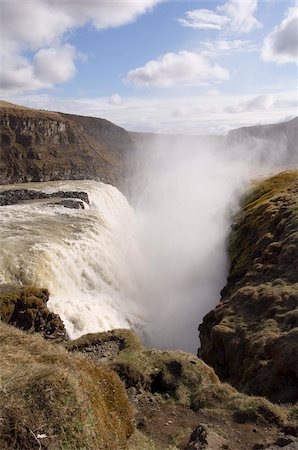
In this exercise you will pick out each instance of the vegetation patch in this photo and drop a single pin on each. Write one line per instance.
(57, 400)
(25, 307)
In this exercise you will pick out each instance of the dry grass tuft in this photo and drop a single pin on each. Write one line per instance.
(57, 400)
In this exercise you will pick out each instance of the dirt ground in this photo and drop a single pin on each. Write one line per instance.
(169, 425)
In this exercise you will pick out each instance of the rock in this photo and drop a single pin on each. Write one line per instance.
(282, 441)
(251, 337)
(73, 204)
(131, 392)
(204, 438)
(106, 345)
(68, 199)
(198, 439)
(26, 308)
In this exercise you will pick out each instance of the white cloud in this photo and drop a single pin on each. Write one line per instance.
(41, 26)
(241, 14)
(234, 15)
(55, 65)
(183, 69)
(227, 47)
(48, 66)
(281, 46)
(115, 100)
(203, 19)
(198, 114)
(259, 103)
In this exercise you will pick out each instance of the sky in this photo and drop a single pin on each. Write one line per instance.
(190, 67)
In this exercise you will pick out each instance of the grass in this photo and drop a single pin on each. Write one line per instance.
(172, 375)
(242, 408)
(49, 392)
(127, 340)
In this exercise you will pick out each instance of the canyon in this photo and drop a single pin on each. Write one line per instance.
(111, 389)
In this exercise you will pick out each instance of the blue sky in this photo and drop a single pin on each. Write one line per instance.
(151, 65)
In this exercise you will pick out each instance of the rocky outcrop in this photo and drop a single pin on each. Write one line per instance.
(41, 146)
(251, 337)
(75, 199)
(105, 345)
(26, 308)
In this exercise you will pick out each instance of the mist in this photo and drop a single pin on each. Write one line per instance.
(184, 193)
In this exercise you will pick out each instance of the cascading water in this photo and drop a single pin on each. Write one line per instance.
(87, 258)
(158, 267)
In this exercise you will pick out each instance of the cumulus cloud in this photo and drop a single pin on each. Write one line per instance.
(234, 15)
(55, 65)
(281, 46)
(183, 69)
(42, 27)
(47, 67)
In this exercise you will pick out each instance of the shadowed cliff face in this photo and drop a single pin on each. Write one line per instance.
(42, 146)
(251, 337)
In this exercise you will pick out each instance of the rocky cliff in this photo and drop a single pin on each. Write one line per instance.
(251, 337)
(41, 146)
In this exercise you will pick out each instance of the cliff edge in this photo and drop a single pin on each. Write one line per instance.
(251, 337)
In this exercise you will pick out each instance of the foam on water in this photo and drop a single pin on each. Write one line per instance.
(88, 259)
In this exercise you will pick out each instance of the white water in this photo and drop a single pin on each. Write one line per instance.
(88, 259)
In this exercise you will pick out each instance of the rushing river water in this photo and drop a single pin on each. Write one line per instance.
(87, 258)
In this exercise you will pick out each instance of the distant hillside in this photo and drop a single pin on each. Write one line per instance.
(275, 139)
(41, 145)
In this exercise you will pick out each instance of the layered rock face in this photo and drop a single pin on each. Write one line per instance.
(251, 337)
(41, 146)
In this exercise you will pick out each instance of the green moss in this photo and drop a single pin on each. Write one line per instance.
(257, 216)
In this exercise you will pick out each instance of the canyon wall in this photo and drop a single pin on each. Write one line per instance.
(251, 337)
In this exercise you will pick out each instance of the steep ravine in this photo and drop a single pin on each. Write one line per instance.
(251, 337)
(67, 394)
